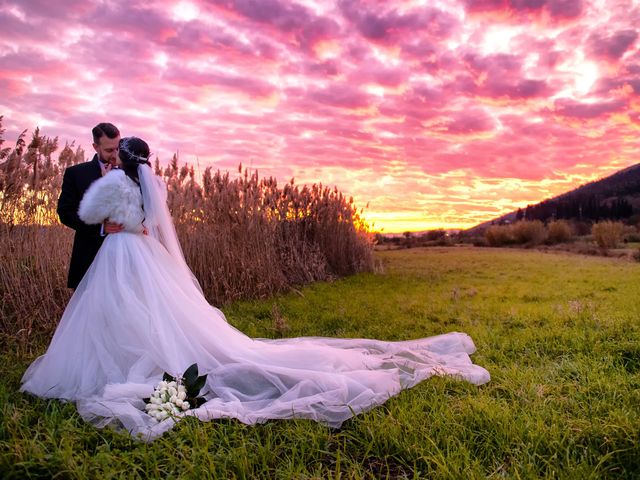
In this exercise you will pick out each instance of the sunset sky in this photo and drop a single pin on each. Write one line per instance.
(435, 113)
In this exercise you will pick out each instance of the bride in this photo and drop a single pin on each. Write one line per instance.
(139, 312)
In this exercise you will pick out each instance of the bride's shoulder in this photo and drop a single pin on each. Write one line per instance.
(101, 196)
(111, 183)
(114, 179)
(115, 175)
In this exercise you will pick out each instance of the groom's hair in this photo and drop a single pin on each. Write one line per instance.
(102, 129)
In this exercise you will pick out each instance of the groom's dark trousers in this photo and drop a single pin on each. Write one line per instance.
(87, 240)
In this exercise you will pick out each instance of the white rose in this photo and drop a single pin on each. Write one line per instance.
(179, 402)
(182, 394)
(163, 384)
(172, 391)
(185, 406)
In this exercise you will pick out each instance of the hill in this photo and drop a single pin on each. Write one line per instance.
(616, 197)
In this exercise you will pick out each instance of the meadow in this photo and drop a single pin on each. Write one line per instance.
(558, 332)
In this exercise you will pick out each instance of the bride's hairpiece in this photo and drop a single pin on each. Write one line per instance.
(125, 146)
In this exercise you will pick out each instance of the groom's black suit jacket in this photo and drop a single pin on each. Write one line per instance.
(87, 240)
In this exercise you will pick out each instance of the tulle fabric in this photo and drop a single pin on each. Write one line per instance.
(137, 314)
(157, 218)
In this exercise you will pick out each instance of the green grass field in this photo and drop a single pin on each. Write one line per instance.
(559, 333)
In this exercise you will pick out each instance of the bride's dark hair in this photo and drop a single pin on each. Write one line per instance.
(133, 151)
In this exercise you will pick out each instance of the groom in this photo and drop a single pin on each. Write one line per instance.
(76, 180)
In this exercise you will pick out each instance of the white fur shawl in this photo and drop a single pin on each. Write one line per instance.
(115, 197)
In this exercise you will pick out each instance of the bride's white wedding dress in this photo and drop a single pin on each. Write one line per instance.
(138, 313)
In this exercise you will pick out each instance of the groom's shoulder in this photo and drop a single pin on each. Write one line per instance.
(80, 167)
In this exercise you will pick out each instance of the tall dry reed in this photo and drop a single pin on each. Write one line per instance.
(243, 237)
(607, 234)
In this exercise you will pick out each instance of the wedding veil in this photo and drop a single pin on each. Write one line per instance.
(158, 220)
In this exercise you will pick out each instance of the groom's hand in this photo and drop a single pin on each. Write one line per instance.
(111, 227)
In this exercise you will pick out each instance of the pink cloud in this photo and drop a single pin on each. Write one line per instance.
(571, 108)
(527, 4)
(557, 9)
(481, 104)
(469, 122)
(566, 8)
(485, 5)
(17, 30)
(30, 62)
(612, 47)
(251, 86)
(340, 95)
(329, 68)
(421, 103)
(607, 85)
(284, 17)
(196, 39)
(380, 26)
(498, 76)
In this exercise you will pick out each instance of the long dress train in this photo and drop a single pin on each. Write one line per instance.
(137, 313)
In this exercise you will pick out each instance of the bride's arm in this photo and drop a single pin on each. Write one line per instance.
(101, 198)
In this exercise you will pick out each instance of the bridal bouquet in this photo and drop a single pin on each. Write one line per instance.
(174, 395)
